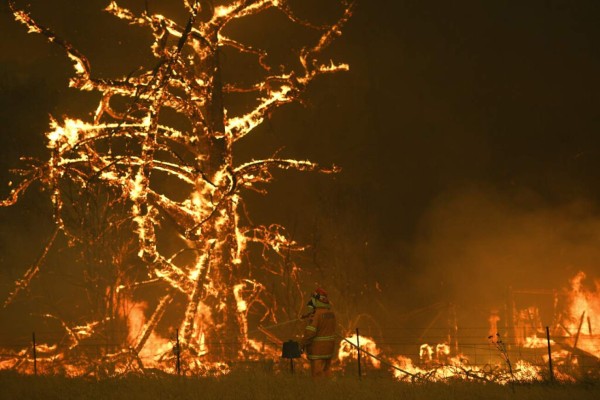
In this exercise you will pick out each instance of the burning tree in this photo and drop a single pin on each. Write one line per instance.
(131, 180)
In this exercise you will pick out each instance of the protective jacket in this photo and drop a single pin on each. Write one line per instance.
(319, 334)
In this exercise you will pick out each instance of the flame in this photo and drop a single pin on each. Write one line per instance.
(436, 364)
(493, 321)
(62, 137)
(123, 149)
(242, 306)
(134, 312)
(582, 319)
(348, 351)
(526, 372)
(534, 342)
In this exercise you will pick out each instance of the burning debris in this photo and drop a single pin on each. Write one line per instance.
(126, 182)
(564, 351)
(160, 205)
(583, 315)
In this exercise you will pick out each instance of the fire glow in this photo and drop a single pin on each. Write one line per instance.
(125, 152)
(436, 363)
(120, 152)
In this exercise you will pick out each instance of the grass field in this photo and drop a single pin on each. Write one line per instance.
(250, 385)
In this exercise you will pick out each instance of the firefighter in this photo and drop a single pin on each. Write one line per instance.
(318, 340)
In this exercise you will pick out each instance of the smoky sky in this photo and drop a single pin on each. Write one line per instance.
(466, 132)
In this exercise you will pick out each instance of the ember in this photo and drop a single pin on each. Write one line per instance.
(191, 239)
(149, 192)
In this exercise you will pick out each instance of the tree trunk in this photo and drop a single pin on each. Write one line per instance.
(225, 337)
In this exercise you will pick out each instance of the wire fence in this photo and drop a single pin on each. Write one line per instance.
(472, 347)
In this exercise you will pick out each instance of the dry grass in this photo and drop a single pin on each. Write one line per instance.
(249, 385)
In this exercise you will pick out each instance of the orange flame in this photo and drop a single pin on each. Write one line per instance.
(583, 315)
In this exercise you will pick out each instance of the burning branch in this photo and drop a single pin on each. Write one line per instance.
(24, 282)
(126, 153)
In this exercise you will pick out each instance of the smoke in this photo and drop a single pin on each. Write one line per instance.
(475, 243)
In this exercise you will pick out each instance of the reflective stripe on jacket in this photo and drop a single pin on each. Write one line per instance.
(319, 334)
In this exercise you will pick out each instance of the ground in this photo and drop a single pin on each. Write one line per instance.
(261, 385)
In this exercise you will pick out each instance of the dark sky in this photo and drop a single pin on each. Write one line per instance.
(466, 130)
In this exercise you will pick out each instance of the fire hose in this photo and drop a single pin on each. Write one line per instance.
(269, 335)
(279, 324)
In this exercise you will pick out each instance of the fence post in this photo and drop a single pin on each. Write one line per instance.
(34, 355)
(578, 331)
(549, 355)
(358, 353)
(177, 354)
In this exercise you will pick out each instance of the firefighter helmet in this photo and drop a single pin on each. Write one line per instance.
(320, 294)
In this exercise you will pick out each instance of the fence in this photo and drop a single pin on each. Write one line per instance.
(472, 346)
(479, 350)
